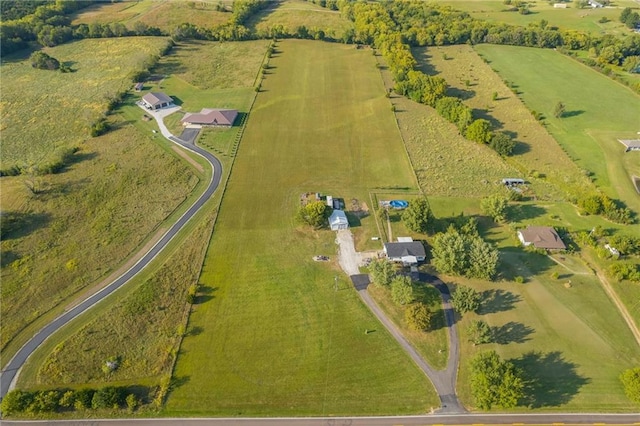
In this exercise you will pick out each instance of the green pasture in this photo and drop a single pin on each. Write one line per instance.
(291, 14)
(43, 110)
(571, 18)
(445, 163)
(164, 14)
(537, 157)
(273, 335)
(152, 314)
(598, 112)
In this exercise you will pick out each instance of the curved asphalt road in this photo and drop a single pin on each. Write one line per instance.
(11, 370)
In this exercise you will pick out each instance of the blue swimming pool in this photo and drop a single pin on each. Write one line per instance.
(399, 204)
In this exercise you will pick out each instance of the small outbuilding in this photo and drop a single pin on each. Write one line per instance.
(544, 237)
(213, 117)
(338, 220)
(138, 87)
(156, 100)
(630, 144)
(409, 253)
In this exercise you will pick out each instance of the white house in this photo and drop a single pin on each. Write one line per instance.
(409, 253)
(338, 220)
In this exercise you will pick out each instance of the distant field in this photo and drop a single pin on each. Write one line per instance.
(294, 13)
(43, 110)
(569, 18)
(599, 111)
(164, 14)
(537, 151)
(446, 164)
(275, 337)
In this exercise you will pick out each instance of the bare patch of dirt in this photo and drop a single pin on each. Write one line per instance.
(191, 161)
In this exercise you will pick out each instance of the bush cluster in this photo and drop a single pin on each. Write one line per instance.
(600, 204)
(58, 400)
(625, 271)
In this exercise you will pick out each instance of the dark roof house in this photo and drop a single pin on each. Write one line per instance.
(156, 100)
(211, 117)
(544, 237)
(405, 252)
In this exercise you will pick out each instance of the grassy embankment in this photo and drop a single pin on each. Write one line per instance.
(275, 337)
(567, 326)
(291, 14)
(164, 14)
(154, 301)
(101, 209)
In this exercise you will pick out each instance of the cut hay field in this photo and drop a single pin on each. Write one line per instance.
(43, 110)
(537, 151)
(89, 218)
(599, 111)
(571, 18)
(274, 337)
(292, 14)
(164, 14)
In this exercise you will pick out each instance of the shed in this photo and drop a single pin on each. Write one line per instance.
(544, 237)
(338, 220)
(512, 181)
(156, 100)
(630, 144)
(138, 87)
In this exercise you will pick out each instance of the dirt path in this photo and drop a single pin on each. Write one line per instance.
(623, 309)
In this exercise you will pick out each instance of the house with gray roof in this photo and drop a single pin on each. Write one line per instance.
(214, 117)
(407, 252)
(156, 100)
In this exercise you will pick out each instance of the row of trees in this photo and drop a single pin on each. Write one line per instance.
(57, 400)
(600, 204)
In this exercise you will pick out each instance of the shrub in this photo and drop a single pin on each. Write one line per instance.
(465, 299)
(99, 127)
(108, 397)
(402, 290)
(418, 316)
(42, 61)
(503, 144)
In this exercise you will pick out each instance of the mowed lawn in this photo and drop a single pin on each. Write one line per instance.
(598, 112)
(273, 336)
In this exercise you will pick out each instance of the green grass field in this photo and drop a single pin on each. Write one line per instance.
(599, 111)
(43, 110)
(536, 151)
(570, 18)
(445, 163)
(571, 340)
(275, 338)
(155, 330)
(164, 14)
(294, 13)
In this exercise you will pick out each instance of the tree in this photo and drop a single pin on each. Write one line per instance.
(559, 110)
(479, 332)
(495, 382)
(449, 252)
(479, 131)
(465, 299)
(402, 290)
(418, 217)
(631, 382)
(43, 61)
(382, 272)
(483, 260)
(16, 401)
(495, 206)
(502, 144)
(314, 214)
(418, 316)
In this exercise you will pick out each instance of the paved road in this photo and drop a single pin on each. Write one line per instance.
(443, 381)
(11, 370)
(431, 419)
